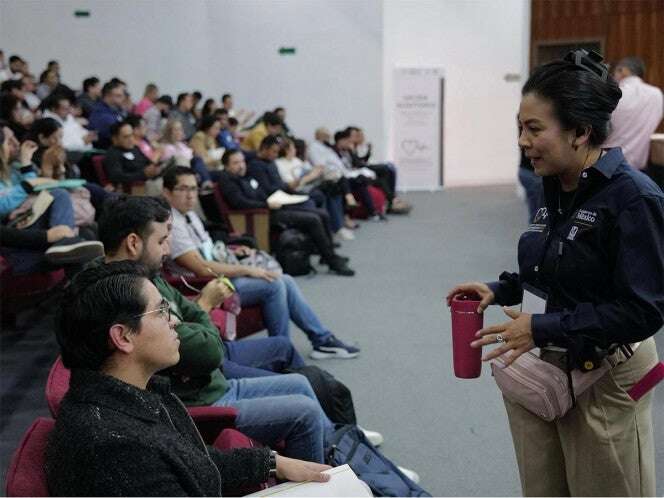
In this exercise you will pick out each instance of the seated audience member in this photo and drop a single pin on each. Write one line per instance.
(638, 114)
(12, 113)
(204, 143)
(17, 178)
(278, 295)
(124, 162)
(386, 174)
(153, 152)
(150, 96)
(107, 112)
(89, 96)
(226, 137)
(49, 83)
(45, 132)
(196, 97)
(209, 107)
(4, 68)
(175, 149)
(74, 135)
(280, 112)
(15, 88)
(120, 431)
(269, 125)
(243, 191)
(147, 219)
(17, 67)
(156, 116)
(300, 176)
(241, 115)
(182, 113)
(29, 96)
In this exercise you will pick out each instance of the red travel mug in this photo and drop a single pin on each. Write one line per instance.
(465, 322)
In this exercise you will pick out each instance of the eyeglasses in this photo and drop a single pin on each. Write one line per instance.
(193, 190)
(164, 310)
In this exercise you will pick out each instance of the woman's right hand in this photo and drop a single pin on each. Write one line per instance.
(481, 289)
(27, 150)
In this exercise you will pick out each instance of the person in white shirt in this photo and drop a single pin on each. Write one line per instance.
(75, 136)
(638, 114)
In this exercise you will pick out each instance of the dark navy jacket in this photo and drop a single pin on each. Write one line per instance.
(101, 119)
(602, 264)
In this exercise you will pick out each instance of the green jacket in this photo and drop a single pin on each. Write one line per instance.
(197, 378)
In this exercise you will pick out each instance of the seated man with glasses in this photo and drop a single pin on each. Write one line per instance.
(193, 249)
(120, 431)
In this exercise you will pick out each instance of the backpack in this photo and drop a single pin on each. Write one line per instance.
(334, 397)
(349, 446)
(294, 251)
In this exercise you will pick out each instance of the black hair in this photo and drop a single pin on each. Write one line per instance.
(220, 112)
(269, 141)
(9, 85)
(353, 128)
(89, 82)
(226, 157)
(225, 96)
(277, 109)
(150, 87)
(300, 148)
(197, 95)
(117, 126)
(207, 105)
(233, 121)
(207, 122)
(44, 74)
(125, 215)
(45, 127)
(341, 134)
(15, 58)
(134, 120)
(53, 101)
(635, 65)
(8, 102)
(582, 93)
(166, 99)
(98, 298)
(117, 80)
(109, 86)
(271, 119)
(181, 97)
(172, 173)
(52, 62)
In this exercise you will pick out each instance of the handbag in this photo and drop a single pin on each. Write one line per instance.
(541, 387)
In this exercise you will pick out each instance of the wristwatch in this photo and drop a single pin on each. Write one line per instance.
(273, 463)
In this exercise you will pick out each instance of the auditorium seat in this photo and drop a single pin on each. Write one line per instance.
(379, 200)
(133, 188)
(26, 476)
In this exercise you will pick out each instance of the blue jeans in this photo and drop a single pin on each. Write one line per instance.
(260, 357)
(201, 170)
(280, 408)
(60, 212)
(335, 207)
(281, 302)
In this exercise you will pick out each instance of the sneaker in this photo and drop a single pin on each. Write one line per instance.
(410, 474)
(346, 234)
(378, 218)
(70, 251)
(340, 267)
(375, 438)
(334, 348)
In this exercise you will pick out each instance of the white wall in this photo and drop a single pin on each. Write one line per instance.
(218, 46)
(476, 43)
(341, 74)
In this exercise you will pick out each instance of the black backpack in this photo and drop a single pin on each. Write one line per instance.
(334, 397)
(294, 250)
(349, 446)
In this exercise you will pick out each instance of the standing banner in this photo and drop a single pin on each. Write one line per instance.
(417, 140)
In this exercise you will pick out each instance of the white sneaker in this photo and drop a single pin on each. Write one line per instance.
(375, 438)
(410, 474)
(345, 234)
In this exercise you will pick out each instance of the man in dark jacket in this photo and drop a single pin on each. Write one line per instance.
(243, 190)
(106, 112)
(124, 162)
(120, 432)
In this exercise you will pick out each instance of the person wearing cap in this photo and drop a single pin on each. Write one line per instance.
(594, 256)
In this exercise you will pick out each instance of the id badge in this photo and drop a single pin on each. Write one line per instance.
(534, 300)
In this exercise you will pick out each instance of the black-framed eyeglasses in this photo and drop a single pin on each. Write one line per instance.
(164, 311)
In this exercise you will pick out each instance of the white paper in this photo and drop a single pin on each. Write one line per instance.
(532, 304)
(284, 199)
(343, 482)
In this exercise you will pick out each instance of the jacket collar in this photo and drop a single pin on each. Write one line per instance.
(96, 388)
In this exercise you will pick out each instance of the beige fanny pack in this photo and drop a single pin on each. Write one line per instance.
(543, 388)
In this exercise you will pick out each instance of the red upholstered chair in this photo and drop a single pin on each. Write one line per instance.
(26, 476)
(133, 188)
(255, 222)
(18, 292)
(210, 420)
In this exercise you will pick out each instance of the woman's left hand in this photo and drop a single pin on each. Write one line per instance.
(515, 335)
